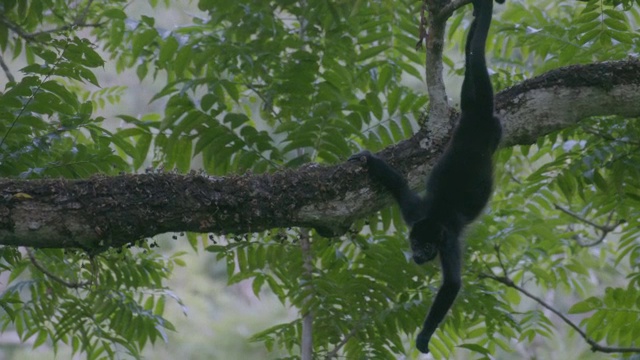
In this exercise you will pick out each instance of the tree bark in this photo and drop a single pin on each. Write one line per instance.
(102, 212)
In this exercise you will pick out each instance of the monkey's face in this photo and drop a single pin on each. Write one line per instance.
(425, 237)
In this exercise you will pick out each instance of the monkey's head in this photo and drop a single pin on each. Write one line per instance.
(425, 237)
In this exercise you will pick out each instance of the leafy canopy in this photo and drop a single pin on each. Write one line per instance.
(266, 85)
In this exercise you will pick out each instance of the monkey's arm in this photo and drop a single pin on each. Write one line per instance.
(410, 203)
(450, 259)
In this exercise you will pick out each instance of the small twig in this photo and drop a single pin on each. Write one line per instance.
(594, 345)
(72, 285)
(334, 353)
(13, 123)
(6, 70)
(306, 343)
(505, 280)
(15, 28)
(24, 107)
(604, 229)
(78, 22)
(448, 10)
(422, 32)
(498, 253)
(513, 177)
(582, 242)
(63, 28)
(574, 215)
(608, 137)
(268, 104)
(82, 16)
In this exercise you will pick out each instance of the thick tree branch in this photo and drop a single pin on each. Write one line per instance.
(562, 97)
(102, 211)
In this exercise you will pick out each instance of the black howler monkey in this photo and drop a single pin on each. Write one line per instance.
(461, 181)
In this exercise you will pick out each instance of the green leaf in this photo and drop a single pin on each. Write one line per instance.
(375, 105)
(40, 339)
(600, 182)
(216, 248)
(236, 119)
(231, 89)
(384, 77)
(371, 52)
(587, 305)
(168, 49)
(114, 13)
(476, 348)
(393, 99)
(258, 281)
(141, 40)
(123, 144)
(616, 25)
(276, 288)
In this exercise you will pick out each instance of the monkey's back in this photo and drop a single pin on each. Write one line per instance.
(462, 180)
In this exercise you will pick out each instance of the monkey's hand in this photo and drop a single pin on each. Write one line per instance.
(422, 342)
(366, 154)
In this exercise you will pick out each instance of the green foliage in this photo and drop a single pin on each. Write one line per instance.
(350, 290)
(101, 306)
(547, 34)
(320, 91)
(561, 188)
(618, 309)
(47, 129)
(264, 85)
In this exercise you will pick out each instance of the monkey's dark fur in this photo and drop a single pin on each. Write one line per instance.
(460, 183)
